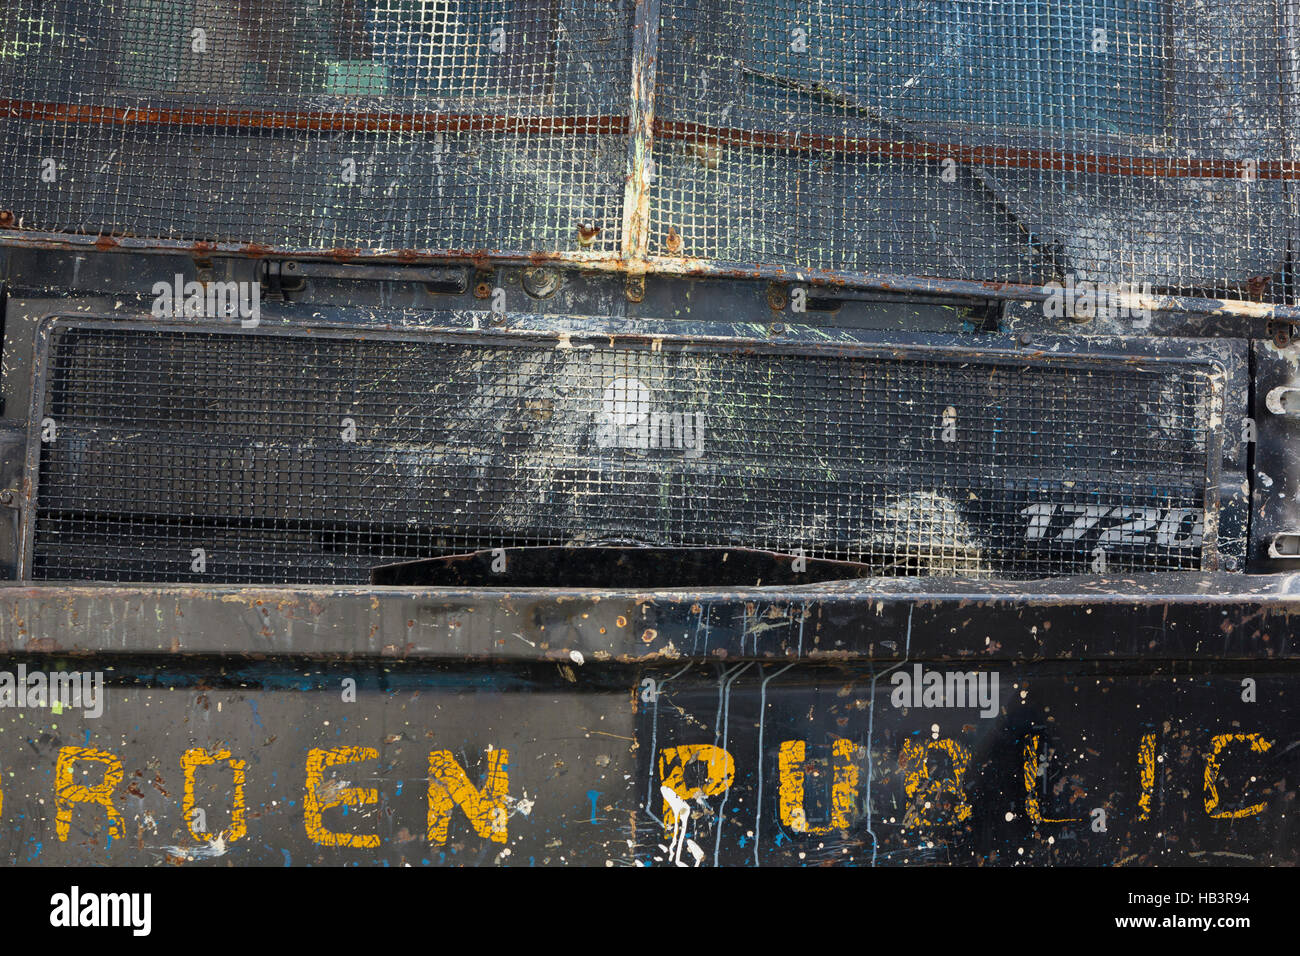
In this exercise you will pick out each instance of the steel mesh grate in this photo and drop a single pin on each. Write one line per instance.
(327, 124)
(1120, 142)
(236, 444)
(1112, 141)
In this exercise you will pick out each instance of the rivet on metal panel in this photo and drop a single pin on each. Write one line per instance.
(1281, 332)
(482, 285)
(541, 282)
(635, 288)
(776, 297)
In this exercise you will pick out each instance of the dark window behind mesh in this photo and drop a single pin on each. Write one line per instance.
(171, 441)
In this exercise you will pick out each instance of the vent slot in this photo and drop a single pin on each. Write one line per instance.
(244, 456)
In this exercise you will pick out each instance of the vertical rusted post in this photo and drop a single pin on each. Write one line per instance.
(636, 198)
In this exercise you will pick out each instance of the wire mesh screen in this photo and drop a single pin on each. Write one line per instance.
(1112, 141)
(366, 124)
(210, 456)
(1107, 141)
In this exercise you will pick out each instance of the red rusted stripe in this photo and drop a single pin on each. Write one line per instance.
(313, 120)
(1001, 156)
(913, 150)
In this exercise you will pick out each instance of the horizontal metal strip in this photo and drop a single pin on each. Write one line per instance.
(1146, 617)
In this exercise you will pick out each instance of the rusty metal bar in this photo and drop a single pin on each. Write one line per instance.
(995, 156)
(327, 121)
(645, 128)
(674, 266)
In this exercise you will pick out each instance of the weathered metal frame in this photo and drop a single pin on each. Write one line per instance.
(469, 669)
(1167, 616)
(661, 265)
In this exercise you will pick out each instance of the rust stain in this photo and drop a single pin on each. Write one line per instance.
(331, 121)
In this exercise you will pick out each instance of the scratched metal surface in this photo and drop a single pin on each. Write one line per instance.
(555, 720)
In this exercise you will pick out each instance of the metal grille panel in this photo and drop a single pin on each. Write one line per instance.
(238, 445)
(1112, 141)
(390, 125)
(1117, 141)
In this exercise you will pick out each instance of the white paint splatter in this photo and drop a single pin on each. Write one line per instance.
(216, 847)
(681, 813)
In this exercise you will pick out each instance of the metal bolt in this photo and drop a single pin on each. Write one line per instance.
(1281, 332)
(483, 290)
(541, 282)
(635, 288)
(776, 297)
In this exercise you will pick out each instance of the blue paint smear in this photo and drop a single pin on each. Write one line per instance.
(288, 861)
(257, 718)
(592, 795)
(399, 788)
